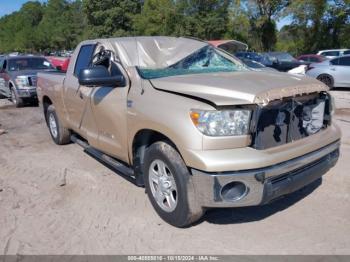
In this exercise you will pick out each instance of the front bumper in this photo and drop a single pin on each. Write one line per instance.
(27, 93)
(263, 185)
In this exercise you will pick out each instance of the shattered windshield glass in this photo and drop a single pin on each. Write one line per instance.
(204, 60)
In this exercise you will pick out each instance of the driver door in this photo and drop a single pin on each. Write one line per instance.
(76, 95)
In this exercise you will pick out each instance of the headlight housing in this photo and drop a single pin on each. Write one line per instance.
(22, 82)
(222, 122)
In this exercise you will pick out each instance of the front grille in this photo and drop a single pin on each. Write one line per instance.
(290, 119)
(32, 80)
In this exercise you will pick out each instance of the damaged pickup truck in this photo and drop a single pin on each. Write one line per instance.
(191, 123)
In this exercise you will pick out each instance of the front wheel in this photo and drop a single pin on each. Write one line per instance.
(169, 186)
(15, 99)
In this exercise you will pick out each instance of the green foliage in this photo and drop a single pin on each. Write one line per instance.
(37, 27)
(61, 24)
(205, 19)
(107, 18)
(157, 17)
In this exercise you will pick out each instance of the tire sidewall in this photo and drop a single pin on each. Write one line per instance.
(179, 216)
(51, 111)
(17, 102)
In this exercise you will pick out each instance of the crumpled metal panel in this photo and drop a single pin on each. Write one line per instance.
(154, 51)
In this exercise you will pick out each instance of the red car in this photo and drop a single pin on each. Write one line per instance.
(230, 46)
(61, 63)
(311, 58)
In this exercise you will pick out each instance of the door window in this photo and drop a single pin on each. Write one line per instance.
(84, 58)
(330, 53)
(344, 61)
(3, 64)
(334, 61)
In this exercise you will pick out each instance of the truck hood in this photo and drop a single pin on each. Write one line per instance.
(247, 87)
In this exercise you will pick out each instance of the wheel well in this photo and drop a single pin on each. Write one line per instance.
(46, 103)
(325, 74)
(143, 139)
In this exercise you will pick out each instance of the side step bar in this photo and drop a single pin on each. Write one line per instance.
(110, 162)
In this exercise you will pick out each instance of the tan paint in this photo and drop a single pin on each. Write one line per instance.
(105, 120)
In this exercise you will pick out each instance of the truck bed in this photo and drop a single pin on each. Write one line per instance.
(49, 81)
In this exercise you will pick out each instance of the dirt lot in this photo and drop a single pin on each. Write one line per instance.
(58, 200)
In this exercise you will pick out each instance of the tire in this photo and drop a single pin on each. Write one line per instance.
(327, 80)
(17, 101)
(60, 135)
(176, 202)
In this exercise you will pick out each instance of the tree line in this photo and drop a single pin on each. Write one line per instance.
(61, 24)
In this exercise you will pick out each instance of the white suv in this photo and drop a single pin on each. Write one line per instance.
(333, 53)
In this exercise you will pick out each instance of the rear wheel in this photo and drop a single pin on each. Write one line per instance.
(59, 133)
(17, 101)
(169, 185)
(327, 80)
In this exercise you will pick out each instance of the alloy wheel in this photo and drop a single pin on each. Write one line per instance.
(163, 185)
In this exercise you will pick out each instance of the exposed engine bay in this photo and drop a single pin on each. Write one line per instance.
(291, 119)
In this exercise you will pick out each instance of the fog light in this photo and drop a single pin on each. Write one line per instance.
(234, 191)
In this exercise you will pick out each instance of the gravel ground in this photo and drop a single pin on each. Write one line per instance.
(58, 200)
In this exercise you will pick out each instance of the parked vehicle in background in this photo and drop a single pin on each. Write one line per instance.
(230, 46)
(334, 72)
(18, 77)
(249, 55)
(300, 70)
(60, 63)
(254, 65)
(333, 53)
(311, 58)
(191, 123)
(62, 53)
(282, 61)
(260, 58)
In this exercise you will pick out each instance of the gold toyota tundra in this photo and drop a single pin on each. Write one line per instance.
(191, 123)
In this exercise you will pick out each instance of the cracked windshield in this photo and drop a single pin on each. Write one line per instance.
(205, 60)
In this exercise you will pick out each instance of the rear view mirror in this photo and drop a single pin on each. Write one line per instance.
(99, 76)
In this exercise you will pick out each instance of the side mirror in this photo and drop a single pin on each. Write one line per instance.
(99, 76)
